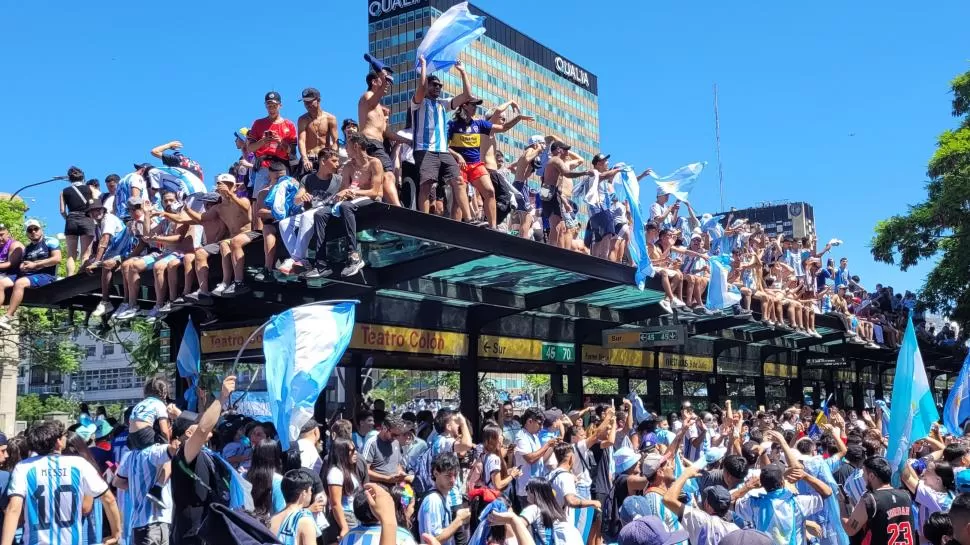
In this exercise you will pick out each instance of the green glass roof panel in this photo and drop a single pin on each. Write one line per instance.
(621, 297)
(381, 249)
(411, 296)
(502, 273)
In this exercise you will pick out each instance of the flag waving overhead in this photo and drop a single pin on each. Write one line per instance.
(448, 35)
(301, 347)
(815, 431)
(629, 189)
(957, 408)
(913, 410)
(721, 294)
(682, 181)
(187, 362)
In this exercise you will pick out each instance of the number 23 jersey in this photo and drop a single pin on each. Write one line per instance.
(53, 488)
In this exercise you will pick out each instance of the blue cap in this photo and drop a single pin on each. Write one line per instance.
(962, 480)
(648, 442)
(377, 65)
(3, 439)
(624, 458)
(104, 429)
(86, 431)
(650, 530)
(632, 508)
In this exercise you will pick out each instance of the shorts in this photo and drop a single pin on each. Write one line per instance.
(155, 533)
(434, 166)
(259, 179)
(473, 171)
(78, 224)
(212, 248)
(154, 260)
(39, 279)
(551, 208)
(525, 203)
(503, 199)
(602, 224)
(375, 148)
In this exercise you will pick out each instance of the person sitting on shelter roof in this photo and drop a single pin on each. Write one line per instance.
(114, 242)
(38, 268)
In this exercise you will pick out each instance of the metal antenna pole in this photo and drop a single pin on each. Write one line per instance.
(717, 140)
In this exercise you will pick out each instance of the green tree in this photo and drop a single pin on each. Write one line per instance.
(939, 227)
(599, 385)
(145, 349)
(33, 407)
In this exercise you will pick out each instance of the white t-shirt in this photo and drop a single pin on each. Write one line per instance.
(564, 483)
(407, 151)
(581, 464)
(53, 488)
(527, 443)
(490, 465)
(335, 477)
(705, 529)
(309, 457)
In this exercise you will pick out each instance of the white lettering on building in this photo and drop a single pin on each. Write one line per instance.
(572, 71)
(382, 7)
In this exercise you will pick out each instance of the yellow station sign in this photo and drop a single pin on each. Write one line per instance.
(617, 356)
(686, 362)
(772, 369)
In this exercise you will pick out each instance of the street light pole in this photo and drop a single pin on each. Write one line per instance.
(54, 179)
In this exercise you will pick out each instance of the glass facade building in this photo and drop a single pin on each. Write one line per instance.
(504, 64)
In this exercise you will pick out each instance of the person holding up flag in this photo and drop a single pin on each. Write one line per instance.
(957, 409)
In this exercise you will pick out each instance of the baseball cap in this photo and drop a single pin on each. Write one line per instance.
(648, 443)
(242, 133)
(661, 192)
(104, 429)
(347, 122)
(95, 205)
(139, 166)
(600, 157)
(649, 530)
(536, 139)
(551, 416)
(183, 422)
(475, 100)
(310, 93)
(273, 96)
(31, 223)
(717, 497)
(624, 458)
(962, 480)
(557, 145)
(746, 537)
(226, 179)
(376, 64)
(632, 508)
(651, 464)
(3, 439)
(135, 201)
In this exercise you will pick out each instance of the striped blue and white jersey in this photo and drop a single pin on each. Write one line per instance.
(92, 531)
(430, 124)
(123, 192)
(178, 180)
(140, 469)
(287, 534)
(53, 488)
(855, 487)
(371, 535)
(434, 516)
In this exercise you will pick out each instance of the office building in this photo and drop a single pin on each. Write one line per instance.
(786, 219)
(504, 64)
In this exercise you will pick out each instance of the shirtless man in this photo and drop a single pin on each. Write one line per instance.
(557, 186)
(373, 118)
(227, 228)
(523, 169)
(317, 130)
(361, 182)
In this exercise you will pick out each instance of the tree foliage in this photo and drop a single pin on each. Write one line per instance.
(33, 407)
(398, 387)
(145, 348)
(939, 227)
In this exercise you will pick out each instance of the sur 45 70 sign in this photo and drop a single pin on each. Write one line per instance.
(645, 337)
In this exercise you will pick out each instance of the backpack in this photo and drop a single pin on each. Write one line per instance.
(611, 513)
(423, 483)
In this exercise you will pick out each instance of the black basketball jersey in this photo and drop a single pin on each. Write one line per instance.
(890, 518)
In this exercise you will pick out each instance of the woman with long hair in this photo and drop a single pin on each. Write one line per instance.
(496, 473)
(546, 518)
(343, 482)
(91, 523)
(265, 474)
(403, 496)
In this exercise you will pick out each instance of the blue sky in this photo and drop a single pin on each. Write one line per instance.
(834, 103)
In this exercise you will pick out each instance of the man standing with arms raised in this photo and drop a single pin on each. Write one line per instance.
(373, 120)
(435, 164)
(556, 191)
(317, 128)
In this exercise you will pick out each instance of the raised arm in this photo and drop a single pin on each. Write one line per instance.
(158, 151)
(466, 87)
(194, 444)
(502, 127)
(672, 496)
(419, 91)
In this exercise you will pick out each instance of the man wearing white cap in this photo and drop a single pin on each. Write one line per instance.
(659, 212)
(38, 268)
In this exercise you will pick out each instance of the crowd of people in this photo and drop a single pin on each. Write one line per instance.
(293, 186)
(600, 474)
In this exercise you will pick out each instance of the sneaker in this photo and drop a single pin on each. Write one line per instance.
(320, 271)
(873, 346)
(180, 301)
(353, 267)
(103, 308)
(286, 267)
(738, 311)
(155, 496)
(679, 304)
(816, 334)
(5, 323)
(700, 310)
(127, 314)
(154, 314)
(264, 275)
(166, 308)
(664, 304)
(236, 288)
(220, 289)
(191, 298)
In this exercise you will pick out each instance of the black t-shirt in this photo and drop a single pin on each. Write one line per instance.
(77, 201)
(192, 496)
(843, 472)
(600, 474)
(320, 189)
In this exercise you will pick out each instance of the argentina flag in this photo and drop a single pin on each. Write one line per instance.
(301, 347)
(957, 408)
(913, 411)
(721, 294)
(681, 181)
(281, 198)
(448, 35)
(629, 189)
(187, 362)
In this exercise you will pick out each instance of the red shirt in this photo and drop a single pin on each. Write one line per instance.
(284, 128)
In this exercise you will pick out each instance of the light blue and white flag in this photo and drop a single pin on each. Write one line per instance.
(957, 408)
(448, 35)
(681, 181)
(301, 347)
(187, 362)
(913, 412)
(629, 189)
(884, 416)
(721, 294)
(281, 198)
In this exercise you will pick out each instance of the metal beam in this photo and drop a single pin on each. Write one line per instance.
(710, 325)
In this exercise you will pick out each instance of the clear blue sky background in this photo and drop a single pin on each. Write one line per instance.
(98, 85)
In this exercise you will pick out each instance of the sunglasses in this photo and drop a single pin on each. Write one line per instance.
(33, 229)
(435, 84)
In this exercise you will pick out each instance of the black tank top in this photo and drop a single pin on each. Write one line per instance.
(890, 518)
